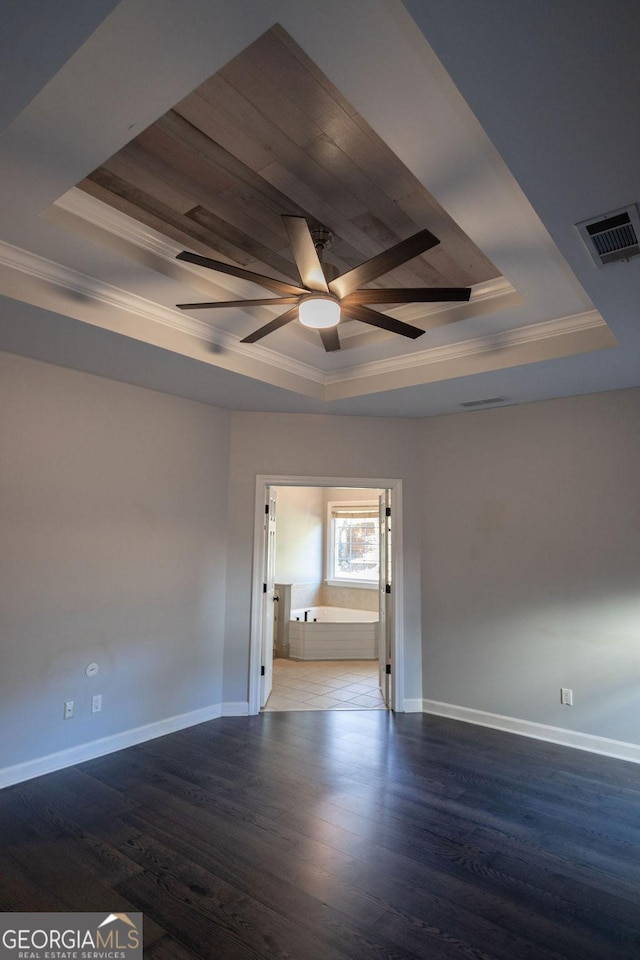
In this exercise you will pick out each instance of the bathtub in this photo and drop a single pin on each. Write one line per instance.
(333, 633)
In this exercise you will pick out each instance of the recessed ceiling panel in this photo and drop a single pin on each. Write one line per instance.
(269, 135)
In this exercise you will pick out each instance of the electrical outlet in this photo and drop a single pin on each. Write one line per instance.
(96, 703)
(69, 707)
(566, 696)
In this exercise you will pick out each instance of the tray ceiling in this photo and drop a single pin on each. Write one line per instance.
(374, 144)
(269, 135)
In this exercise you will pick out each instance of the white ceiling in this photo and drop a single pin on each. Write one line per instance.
(519, 118)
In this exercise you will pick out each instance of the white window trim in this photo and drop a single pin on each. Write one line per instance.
(360, 584)
(330, 579)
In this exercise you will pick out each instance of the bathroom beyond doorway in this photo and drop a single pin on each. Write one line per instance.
(390, 605)
(322, 556)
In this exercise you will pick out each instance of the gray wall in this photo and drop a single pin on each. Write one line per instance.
(302, 533)
(521, 552)
(315, 446)
(113, 546)
(531, 568)
(299, 538)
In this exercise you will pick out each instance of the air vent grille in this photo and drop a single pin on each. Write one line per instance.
(482, 403)
(612, 237)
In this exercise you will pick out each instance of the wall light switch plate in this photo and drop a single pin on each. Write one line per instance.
(96, 703)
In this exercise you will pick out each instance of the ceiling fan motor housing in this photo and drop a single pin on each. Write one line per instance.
(321, 239)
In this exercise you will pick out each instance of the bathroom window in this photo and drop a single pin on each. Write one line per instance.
(354, 544)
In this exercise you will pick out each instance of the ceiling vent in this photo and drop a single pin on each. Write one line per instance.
(613, 236)
(482, 403)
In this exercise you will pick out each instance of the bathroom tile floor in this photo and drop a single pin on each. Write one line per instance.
(325, 685)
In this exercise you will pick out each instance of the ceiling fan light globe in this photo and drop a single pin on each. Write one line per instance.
(319, 313)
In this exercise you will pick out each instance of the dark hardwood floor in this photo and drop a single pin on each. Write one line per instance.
(325, 836)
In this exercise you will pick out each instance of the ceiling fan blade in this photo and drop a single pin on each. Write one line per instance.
(274, 324)
(278, 286)
(275, 301)
(365, 315)
(409, 295)
(330, 339)
(383, 263)
(305, 254)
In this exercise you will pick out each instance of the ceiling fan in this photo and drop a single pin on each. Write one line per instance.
(323, 298)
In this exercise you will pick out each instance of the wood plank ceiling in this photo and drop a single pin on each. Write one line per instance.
(270, 135)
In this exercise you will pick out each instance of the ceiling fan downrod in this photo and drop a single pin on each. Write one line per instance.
(322, 240)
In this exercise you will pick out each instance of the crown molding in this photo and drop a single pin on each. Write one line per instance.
(86, 207)
(47, 284)
(279, 369)
(564, 337)
(532, 333)
(81, 285)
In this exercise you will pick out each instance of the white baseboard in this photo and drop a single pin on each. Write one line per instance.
(99, 748)
(239, 708)
(617, 749)
(415, 705)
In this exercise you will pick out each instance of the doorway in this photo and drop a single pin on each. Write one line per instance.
(367, 677)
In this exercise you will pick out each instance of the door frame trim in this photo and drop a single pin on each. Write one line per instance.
(263, 482)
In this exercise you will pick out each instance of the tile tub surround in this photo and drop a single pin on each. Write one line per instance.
(356, 598)
(323, 594)
(325, 685)
(305, 594)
